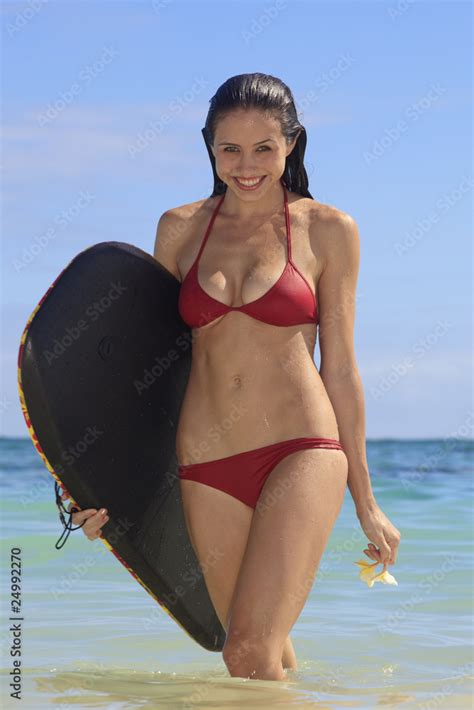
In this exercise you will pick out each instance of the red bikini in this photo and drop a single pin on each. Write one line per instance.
(290, 301)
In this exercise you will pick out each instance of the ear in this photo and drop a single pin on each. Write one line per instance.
(293, 143)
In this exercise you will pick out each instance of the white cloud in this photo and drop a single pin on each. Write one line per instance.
(89, 141)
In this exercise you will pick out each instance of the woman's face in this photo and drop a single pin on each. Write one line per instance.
(249, 144)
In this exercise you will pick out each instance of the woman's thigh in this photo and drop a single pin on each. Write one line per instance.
(295, 515)
(218, 527)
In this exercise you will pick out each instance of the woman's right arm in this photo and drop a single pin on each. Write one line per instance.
(169, 236)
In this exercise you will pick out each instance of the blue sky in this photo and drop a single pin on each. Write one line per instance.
(103, 105)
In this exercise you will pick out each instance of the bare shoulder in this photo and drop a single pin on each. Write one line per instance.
(334, 234)
(174, 228)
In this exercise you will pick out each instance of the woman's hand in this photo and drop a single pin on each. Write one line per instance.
(385, 538)
(95, 518)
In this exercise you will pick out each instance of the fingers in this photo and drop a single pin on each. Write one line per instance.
(387, 557)
(387, 552)
(393, 555)
(93, 526)
(394, 542)
(95, 519)
(372, 552)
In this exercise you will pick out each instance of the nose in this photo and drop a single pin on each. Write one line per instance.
(246, 169)
(246, 164)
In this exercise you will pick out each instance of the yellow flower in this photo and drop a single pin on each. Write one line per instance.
(369, 575)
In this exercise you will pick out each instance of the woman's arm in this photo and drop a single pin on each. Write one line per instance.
(336, 298)
(169, 231)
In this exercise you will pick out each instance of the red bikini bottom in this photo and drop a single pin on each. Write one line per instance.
(243, 475)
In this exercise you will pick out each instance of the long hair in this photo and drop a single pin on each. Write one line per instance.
(271, 95)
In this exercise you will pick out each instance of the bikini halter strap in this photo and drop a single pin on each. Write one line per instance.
(216, 210)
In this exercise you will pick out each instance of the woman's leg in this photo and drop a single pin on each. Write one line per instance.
(288, 659)
(294, 517)
(218, 526)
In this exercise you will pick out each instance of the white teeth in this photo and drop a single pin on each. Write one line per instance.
(248, 182)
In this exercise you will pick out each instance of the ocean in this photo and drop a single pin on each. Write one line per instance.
(92, 637)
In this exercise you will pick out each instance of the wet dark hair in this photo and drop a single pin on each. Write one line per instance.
(272, 96)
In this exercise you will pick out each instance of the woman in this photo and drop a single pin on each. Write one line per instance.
(265, 442)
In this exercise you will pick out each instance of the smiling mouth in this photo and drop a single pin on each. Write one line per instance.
(249, 183)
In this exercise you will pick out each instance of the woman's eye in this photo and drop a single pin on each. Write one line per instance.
(231, 147)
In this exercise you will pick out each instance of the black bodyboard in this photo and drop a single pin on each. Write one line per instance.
(103, 366)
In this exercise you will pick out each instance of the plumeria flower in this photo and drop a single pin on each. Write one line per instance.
(368, 574)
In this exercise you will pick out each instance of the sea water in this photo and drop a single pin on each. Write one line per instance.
(92, 637)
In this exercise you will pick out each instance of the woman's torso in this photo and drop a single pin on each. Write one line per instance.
(251, 383)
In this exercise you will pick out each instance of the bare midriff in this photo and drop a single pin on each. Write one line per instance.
(251, 384)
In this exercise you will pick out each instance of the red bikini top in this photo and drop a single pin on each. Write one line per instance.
(290, 301)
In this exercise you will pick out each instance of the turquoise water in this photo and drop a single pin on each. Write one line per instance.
(92, 637)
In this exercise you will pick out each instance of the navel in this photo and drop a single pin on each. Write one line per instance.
(237, 381)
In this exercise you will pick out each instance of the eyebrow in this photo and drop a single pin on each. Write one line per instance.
(258, 142)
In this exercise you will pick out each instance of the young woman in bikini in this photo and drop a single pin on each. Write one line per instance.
(266, 443)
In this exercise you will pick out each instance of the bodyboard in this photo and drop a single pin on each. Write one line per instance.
(103, 365)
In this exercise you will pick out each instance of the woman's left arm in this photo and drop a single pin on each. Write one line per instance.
(340, 245)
